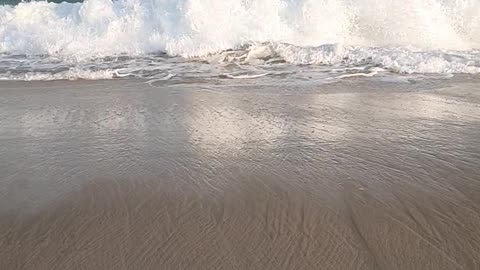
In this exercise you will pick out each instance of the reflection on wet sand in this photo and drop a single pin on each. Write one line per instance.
(121, 175)
(228, 126)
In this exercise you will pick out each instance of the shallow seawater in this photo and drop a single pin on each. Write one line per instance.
(239, 134)
(164, 69)
(235, 175)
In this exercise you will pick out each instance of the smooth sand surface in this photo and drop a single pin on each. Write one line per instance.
(354, 175)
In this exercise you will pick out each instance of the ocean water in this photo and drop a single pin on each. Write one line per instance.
(281, 41)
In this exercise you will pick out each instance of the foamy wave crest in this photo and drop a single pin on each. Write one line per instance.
(406, 36)
(398, 60)
(71, 74)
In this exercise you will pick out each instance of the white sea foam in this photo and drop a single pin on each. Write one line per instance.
(71, 74)
(403, 36)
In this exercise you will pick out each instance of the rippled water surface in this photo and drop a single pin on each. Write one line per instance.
(350, 175)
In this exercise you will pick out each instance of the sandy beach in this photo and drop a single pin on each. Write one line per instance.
(353, 175)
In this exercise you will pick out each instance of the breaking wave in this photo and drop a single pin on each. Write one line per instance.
(399, 36)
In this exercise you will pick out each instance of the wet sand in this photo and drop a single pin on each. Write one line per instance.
(353, 175)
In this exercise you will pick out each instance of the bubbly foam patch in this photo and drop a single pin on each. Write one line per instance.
(72, 74)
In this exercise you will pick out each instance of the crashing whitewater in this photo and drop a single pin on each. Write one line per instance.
(408, 36)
